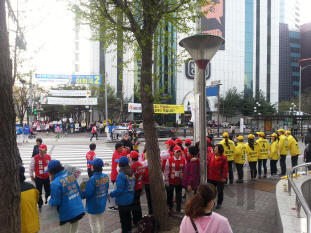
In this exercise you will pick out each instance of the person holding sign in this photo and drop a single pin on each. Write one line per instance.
(38, 165)
(95, 193)
(65, 194)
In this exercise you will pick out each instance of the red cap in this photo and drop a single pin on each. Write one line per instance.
(134, 154)
(208, 140)
(43, 147)
(171, 142)
(188, 141)
(177, 148)
(178, 140)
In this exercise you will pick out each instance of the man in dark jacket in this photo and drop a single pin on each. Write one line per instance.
(308, 136)
(36, 147)
(127, 142)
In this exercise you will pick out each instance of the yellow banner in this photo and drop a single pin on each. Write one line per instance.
(165, 108)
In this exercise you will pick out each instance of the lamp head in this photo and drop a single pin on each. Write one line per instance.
(202, 47)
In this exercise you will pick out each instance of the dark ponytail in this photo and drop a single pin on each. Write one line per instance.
(227, 141)
(251, 143)
(172, 148)
(197, 204)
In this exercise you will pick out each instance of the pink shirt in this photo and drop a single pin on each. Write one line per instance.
(206, 224)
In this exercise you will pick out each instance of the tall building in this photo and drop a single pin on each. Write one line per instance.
(290, 13)
(305, 30)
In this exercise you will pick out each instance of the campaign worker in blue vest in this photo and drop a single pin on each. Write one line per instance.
(124, 193)
(65, 194)
(96, 191)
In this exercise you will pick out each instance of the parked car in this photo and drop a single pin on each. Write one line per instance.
(162, 132)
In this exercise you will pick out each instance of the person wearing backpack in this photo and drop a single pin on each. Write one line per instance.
(199, 216)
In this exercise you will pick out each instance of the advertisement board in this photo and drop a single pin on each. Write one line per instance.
(69, 101)
(158, 108)
(68, 79)
(133, 107)
(70, 92)
(212, 91)
(190, 70)
(214, 22)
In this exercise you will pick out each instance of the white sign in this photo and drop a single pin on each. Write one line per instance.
(241, 124)
(70, 93)
(49, 218)
(132, 107)
(73, 171)
(69, 101)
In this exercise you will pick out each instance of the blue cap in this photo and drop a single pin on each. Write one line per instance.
(123, 159)
(97, 162)
(52, 164)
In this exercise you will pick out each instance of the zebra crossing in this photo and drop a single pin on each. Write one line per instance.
(73, 155)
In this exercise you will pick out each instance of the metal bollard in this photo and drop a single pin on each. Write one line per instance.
(184, 132)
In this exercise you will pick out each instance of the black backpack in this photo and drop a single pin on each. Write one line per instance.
(148, 225)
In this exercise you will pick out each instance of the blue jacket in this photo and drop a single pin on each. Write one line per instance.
(95, 192)
(19, 130)
(26, 130)
(65, 194)
(124, 193)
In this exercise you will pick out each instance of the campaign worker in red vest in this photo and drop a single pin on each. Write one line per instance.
(138, 170)
(38, 165)
(94, 131)
(173, 174)
(168, 152)
(90, 156)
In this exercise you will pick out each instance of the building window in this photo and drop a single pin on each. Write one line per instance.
(77, 67)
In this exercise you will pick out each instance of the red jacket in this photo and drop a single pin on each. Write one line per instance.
(174, 170)
(139, 173)
(146, 177)
(41, 164)
(114, 165)
(218, 168)
(90, 156)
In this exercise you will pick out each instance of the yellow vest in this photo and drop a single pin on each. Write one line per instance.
(240, 151)
(29, 213)
(274, 151)
(229, 150)
(283, 145)
(252, 155)
(263, 148)
(293, 146)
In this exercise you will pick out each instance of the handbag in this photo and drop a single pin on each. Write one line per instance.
(194, 226)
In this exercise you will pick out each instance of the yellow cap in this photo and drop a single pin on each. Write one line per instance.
(251, 136)
(274, 135)
(288, 132)
(225, 135)
(240, 138)
(281, 130)
(262, 134)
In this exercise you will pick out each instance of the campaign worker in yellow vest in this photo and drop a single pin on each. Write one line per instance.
(274, 155)
(252, 148)
(229, 152)
(283, 148)
(293, 148)
(239, 159)
(263, 154)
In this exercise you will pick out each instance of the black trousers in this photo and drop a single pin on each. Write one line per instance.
(148, 195)
(262, 162)
(220, 190)
(294, 160)
(170, 195)
(273, 167)
(283, 165)
(230, 163)
(239, 168)
(43, 183)
(136, 207)
(90, 172)
(125, 218)
(252, 166)
(94, 134)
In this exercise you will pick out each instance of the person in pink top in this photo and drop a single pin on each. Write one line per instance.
(199, 216)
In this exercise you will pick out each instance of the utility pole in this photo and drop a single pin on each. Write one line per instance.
(30, 100)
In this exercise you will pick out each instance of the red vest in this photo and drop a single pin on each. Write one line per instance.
(138, 172)
(164, 161)
(94, 129)
(146, 178)
(89, 156)
(41, 164)
(176, 170)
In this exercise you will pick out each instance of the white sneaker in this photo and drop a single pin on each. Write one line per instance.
(180, 212)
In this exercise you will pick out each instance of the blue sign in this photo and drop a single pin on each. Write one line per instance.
(69, 79)
(212, 91)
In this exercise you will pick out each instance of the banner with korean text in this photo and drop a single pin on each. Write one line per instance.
(69, 101)
(158, 108)
(68, 79)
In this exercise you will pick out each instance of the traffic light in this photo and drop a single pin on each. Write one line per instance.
(35, 111)
(28, 112)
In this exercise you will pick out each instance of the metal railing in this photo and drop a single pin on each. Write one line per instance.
(300, 200)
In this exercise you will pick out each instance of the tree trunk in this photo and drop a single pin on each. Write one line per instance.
(157, 187)
(10, 220)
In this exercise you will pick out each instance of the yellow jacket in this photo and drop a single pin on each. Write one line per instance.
(283, 145)
(229, 150)
(263, 148)
(293, 146)
(274, 151)
(240, 151)
(29, 212)
(252, 155)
